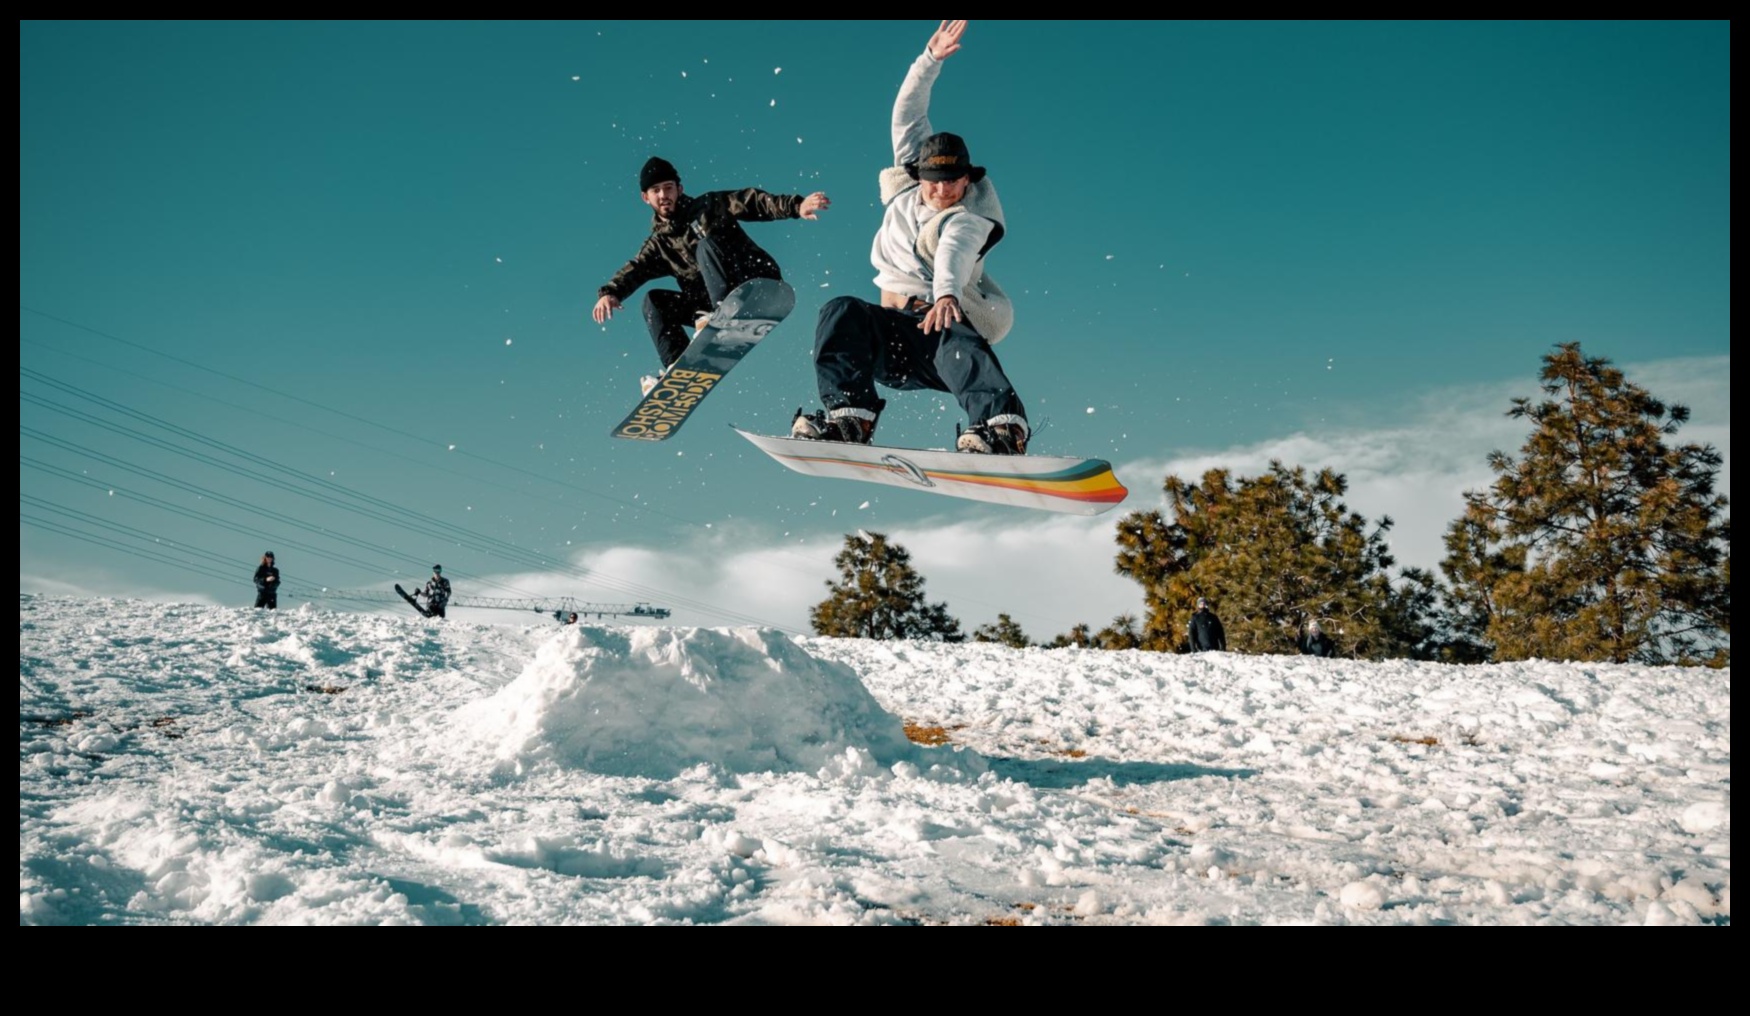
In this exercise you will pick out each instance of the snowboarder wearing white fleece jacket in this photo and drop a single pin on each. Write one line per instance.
(939, 313)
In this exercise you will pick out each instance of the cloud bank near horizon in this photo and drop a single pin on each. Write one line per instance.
(1051, 572)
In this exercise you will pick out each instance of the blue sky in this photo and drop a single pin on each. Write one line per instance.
(342, 249)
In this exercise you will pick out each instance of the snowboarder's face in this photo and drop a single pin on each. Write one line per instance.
(942, 194)
(663, 197)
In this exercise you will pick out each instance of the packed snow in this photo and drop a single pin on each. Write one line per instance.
(189, 764)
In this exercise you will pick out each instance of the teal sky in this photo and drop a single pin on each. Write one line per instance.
(344, 248)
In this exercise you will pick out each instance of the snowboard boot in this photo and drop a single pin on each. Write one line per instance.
(840, 425)
(1002, 435)
(649, 381)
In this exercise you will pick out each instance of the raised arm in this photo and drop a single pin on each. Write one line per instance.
(911, 110)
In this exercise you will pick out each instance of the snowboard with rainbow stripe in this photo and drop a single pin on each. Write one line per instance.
(1042, 482)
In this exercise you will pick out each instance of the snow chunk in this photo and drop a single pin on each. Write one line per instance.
(1704, 817)
(1362, 896)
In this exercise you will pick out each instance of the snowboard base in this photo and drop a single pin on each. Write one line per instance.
(1044, 483)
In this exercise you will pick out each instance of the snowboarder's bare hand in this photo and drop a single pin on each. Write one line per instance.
(816, 202)
(604, 308)
(946, 41)
(942, 315)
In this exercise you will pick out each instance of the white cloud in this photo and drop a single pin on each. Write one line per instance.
(1050, 572)
(1417, 472)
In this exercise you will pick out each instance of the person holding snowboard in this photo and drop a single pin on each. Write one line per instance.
(1315, 642)
(699, 242)
(436, 592)
(939, 312)
(267, 584)
(1205, 630)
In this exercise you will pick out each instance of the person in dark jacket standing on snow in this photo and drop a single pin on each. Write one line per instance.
(1205, 631)
(267, 583)
(436, 592)
(939, 313)
(699, 242)
(1315, 642)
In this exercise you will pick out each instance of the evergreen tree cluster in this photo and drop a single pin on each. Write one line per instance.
(1600, 541)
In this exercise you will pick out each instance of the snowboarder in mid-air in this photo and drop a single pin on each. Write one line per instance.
(699, 242)
(939, 313)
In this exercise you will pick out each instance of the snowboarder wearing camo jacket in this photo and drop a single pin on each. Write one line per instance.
(699, 242)
(436, 592)
(939, 313)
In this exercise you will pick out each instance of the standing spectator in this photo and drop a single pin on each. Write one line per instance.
(436, 592)
(1315, 642)
(267, 583)
(1206, 633)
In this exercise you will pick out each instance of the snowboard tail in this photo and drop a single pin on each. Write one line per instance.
(405, 595)
(751, 310)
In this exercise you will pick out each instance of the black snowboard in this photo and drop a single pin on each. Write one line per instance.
(405, 595)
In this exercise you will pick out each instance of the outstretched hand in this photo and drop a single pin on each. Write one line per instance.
(604, 308)
(946, 41)
(816, 202)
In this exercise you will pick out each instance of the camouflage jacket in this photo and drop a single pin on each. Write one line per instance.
(671, 250)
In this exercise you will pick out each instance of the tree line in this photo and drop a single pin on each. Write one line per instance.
(1601, 540)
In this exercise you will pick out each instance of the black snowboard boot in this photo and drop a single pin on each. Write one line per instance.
(818, 426)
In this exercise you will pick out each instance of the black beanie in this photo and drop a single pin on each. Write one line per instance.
(657, 170)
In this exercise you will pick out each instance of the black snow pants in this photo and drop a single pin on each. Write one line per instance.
(858, 344)
(669, 313)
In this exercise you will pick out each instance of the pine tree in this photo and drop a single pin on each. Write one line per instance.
(880, 596)
(1276, 551)
(1003, 630)
(1600, 541)
(1120, 634)
(1080, 636)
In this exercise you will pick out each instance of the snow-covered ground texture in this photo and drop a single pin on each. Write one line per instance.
(183, 764)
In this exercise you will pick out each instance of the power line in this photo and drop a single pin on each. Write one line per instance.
(354, 417)
(422, 441)
(130, 551)
(199, 491)
(527, 558)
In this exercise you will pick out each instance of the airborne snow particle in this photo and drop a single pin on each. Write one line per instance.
(683, 74)
(499, 260)
(577, 77)
(865, 504)
(507, 342)
(777, 70)
(774, 102)
(452, 447)
(1090, 410)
